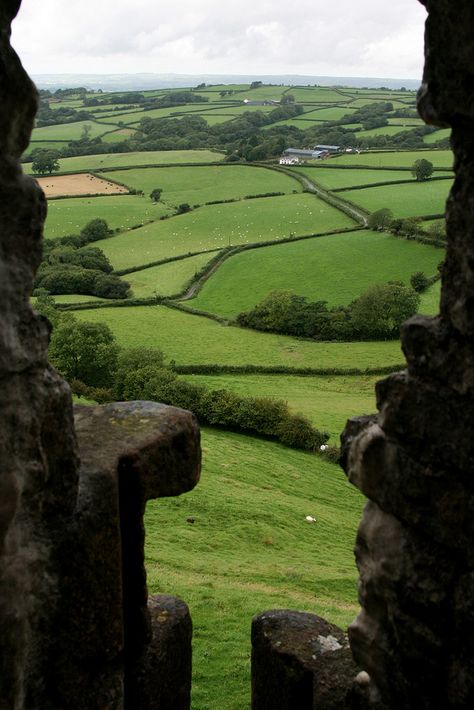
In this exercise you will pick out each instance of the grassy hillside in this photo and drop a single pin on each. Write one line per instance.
(167, 279)
(333, 178)
(409, 200)
(396, 159)
(251, 549)
(190, 339)
(327, 401)
(117, 160)
(68, 216)
(335, 269)
(202, 184)
(217, 226)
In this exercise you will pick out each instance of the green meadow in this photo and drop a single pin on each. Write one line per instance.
(415, 199)
(167, 279)
(396, 159)
(202, 184)
(68, 216)
(336, 269)
(119, 160)
(251, 549)
(68, 131)
(190, 339)
(336, 178)
(217, 226)
(327, 401)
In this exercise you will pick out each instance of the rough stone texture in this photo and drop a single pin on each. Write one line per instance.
(165, 677)
(146, 451)
(74, 625)
(38, 481)
(414, 460)
(299, 661)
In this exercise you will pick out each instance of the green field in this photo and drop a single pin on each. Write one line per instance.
(381, 131)
(123, 134)
(68, 216)
(118, 160)
(397, 159)
(217, 226)
(430, 300)
(410, 200)
(334, 178)
(335, 269)
(191, 339)
(327, 401)
(251, 549)
(437, 136)
(202, 184)
(322, 94)
(334, 113)
(68, 131)
(167, 279)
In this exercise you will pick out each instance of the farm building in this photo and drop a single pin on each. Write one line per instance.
(295, 155)
(262, 102)
(328, 148)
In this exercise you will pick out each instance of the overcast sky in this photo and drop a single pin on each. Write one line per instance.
(372, 38)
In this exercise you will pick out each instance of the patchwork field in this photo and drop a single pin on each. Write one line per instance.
(218, 226)
(335, 269)
(441, 159)
(68, 216)
(415, 199)
(334, 179)
(68, 131)
(190, 339)
(80, 184)
(202, 184)
(167, 279)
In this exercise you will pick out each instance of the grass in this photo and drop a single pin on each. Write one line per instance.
(336, 269)
(68, 216)
(68, 131)
(381, 131)
(437, 136)
(327, 401)
(123, 134)
(397, 159)
(430, 300)
(319, 94)
(334, 178)
(217, 226)
(409, 200)
(334, 113)
(191, 339)
(166, 279)
(202, 184)
(251, 549)
(153, 157)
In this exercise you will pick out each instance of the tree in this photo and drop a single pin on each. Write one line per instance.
(419, 281)
(287, 99)
(380, 311)
(45, 161)
(84, 351)
(155, 194)
(95, 229)
(422, 169)
(183, 207)
(380, 219)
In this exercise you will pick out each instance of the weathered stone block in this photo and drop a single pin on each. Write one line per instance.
(299, 661)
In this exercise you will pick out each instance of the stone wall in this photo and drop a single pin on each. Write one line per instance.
(76, 628)
(414, 635)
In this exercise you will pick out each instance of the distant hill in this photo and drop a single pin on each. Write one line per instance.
(131, 82)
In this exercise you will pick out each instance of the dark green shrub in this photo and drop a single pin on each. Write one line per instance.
(419, 281)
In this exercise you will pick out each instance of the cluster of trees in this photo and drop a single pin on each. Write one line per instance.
(411, 227)
(47, 116)
(90, 359)
(376, 315)
(70, 266)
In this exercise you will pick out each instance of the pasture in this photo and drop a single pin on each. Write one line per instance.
(68, 216)
(166, 279)
(123, 160)
(69, 131)
(251, 549)
(327, 401)
(334, 179)
(79, 184)
(202, 184)
(217, 226)
(336, 269)
(441, 159)
(190, 339)
(415, 199)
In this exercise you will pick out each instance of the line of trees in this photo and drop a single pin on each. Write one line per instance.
(375, 315)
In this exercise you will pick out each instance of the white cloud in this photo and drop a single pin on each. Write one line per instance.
(368, 38)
